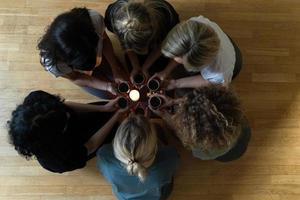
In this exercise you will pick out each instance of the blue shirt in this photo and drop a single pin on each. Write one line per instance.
(126, 186)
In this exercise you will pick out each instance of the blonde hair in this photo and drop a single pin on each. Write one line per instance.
(139, 22)
(135, 145)
(195, 42)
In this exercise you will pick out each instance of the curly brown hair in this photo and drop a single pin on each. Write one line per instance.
(208, 118)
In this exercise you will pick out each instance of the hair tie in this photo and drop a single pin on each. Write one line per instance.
(131, 162)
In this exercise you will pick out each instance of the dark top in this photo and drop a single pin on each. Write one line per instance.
(69, 152)
(170, 19)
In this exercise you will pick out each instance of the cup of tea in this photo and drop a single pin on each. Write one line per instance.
(155, 102)
(122, 102)
(123, 87)
(154, 84)
(138, 79)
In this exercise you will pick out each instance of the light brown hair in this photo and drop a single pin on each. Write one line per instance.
(138, 23)
(208, 118)
(195, 42)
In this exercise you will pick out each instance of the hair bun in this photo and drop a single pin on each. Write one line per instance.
(131, 23)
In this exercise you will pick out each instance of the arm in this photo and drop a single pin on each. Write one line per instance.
(188, 82)
(167, 71)
(98, 138)
(169, 68)
(111, 57)
(133, 60)
(80, 107)
(154, 55)
(81, 79)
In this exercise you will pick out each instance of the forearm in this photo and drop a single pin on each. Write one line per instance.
(169, 68)
(83, 80)
(154, 55)
(111, 57)
(134, 61)
(98, 138)
(80, 107)
(191, 82)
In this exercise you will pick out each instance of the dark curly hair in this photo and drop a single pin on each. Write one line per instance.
(208, 118)
(37, 123)
(71, 39)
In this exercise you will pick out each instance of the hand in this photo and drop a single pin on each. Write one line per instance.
(112, 105)
(122, 113)
(161, 75)
(110, 87)
(168, 101)
(162, 113)
(146, 73)
(133, 73)
(120, 77)
(171, 84)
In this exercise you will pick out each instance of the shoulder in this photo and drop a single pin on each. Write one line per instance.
(115, 5)
(106, 151)
(106, 160)
(97, 20)
(169, 14)
(168, 8)
(94, 13)
(245, 126)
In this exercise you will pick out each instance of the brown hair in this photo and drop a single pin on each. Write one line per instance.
(138, 22)
(195, 42)
(208, 118)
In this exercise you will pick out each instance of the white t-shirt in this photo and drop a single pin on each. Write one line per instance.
(60, 68)
(221, 69)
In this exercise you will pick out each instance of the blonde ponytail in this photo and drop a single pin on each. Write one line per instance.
(135, 145)
(134, 168)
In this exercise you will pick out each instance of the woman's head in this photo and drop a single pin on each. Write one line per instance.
(137, 23)
(71, 39)
(36, 124)
(208, 117)
(135, 145)
(195, 43)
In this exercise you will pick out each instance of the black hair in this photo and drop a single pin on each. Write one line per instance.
(71, 39)
(37, 123)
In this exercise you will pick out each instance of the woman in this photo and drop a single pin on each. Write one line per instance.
(206, 52)
(76, 47)
(134, 164)
(141, 26)
(209, 121)
(61, 135)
